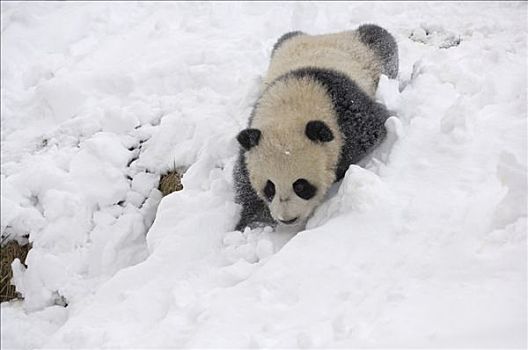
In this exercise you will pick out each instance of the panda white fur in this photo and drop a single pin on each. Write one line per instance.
(316, 116)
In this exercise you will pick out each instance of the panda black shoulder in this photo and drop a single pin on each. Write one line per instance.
(361, 120)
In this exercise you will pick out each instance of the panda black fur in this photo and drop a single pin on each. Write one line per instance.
(316, 116)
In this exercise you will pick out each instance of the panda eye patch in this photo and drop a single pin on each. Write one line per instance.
(304, 189)
(269, 190)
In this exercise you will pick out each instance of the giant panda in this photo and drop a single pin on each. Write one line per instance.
(316, 116)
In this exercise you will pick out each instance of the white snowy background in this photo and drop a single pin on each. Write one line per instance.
(423, 246)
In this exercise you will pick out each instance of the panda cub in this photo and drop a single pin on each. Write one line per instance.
(316, 116)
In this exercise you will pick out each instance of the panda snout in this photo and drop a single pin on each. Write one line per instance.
(288, 222)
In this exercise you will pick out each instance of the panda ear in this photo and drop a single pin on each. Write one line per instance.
(249, 138)
(318, 131)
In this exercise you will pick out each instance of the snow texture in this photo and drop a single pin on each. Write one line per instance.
(422, 246)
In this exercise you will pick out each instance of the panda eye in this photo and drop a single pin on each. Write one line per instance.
(304, 189)
(269, 190)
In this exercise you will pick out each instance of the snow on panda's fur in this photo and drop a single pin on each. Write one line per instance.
(316, 116)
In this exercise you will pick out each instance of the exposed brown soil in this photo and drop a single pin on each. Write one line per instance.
(9, 252)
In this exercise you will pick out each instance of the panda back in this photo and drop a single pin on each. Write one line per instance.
(344, 52)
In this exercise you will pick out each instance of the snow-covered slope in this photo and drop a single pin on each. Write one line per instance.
(423, 246)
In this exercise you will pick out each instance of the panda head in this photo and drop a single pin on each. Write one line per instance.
(292, 148)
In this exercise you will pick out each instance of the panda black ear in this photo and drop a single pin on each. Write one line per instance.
(249, 138)
(318, 131)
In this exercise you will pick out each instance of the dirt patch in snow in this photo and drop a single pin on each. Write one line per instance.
(9, 252)
(170, 182)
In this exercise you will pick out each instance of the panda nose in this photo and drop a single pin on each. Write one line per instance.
(288, 222)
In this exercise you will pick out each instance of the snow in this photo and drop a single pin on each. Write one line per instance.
(424, 245)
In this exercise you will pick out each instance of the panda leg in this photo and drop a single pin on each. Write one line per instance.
(383, 43)
(254, 210)
(283, 38)
(254, 215)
